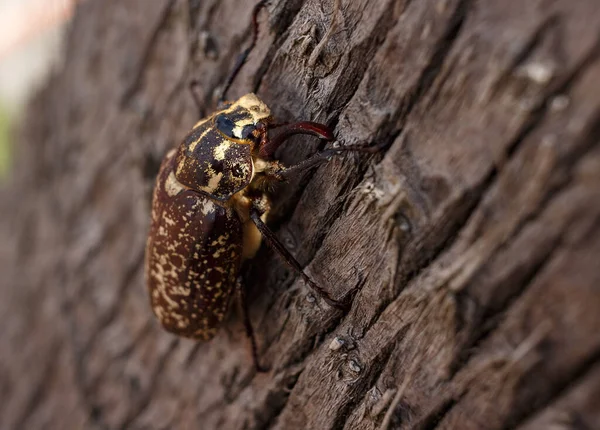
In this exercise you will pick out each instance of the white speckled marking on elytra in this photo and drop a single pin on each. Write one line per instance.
(207, 207)
(172, 185)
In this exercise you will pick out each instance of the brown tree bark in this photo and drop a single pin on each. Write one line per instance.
(474, 240)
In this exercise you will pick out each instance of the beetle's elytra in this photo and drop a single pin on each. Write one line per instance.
(209, 210)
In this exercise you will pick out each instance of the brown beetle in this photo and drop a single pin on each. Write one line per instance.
(209, 210)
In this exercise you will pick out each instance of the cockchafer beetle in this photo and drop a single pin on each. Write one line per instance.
(209, 210)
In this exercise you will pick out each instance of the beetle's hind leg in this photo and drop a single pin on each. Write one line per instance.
(248, 325)
(277, 246)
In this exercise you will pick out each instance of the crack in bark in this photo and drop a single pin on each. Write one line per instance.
(41, 388)
(278, 41)
(481, 333)
(569, 380)
(435, 415)
(146, 398)
(80, 351)
(537, 38)
(368, 382)
(106, 320)
(434, 68)
(134, 86)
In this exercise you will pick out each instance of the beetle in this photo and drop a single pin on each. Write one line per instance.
(209, 209)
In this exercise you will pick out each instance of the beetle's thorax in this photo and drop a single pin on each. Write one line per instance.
(216, 156)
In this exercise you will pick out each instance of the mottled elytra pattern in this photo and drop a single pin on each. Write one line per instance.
(215, 157)
(193, 255)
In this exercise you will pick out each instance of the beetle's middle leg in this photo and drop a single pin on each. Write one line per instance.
(277, 246)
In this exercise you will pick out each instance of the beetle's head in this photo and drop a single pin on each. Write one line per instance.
(243, 121)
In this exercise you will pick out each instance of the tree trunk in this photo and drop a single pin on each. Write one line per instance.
(473, 239)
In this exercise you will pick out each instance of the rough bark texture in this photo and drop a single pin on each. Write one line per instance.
(473, 240)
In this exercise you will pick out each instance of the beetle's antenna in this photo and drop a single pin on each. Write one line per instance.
(241, 60)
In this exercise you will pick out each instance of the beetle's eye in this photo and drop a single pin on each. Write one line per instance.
(247, 131)
(225, 125)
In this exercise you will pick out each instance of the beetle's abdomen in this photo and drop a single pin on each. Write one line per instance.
(192, 257)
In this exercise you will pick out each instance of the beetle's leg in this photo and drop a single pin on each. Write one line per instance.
(248, 325)
(281, 173)
(274, 243)
(270, 145)
(241, 60)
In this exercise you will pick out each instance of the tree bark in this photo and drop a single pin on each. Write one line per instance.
(473, 239)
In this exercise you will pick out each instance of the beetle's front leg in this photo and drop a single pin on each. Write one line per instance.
(282, 173)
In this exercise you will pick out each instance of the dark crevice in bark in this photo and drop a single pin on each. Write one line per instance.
(535, 41)
(191, 358)
(485, 324)
(362, 386)
(434, 67)
(434, 416)
(106, 320)
(383, 362)
(524, 410)
(278, 401)
(539, 112)
(281, 25)
(137, 408)
(286, 15)
(194, 7)
(268, 342)
(348, 83)
(42, 387)
(136, 81)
